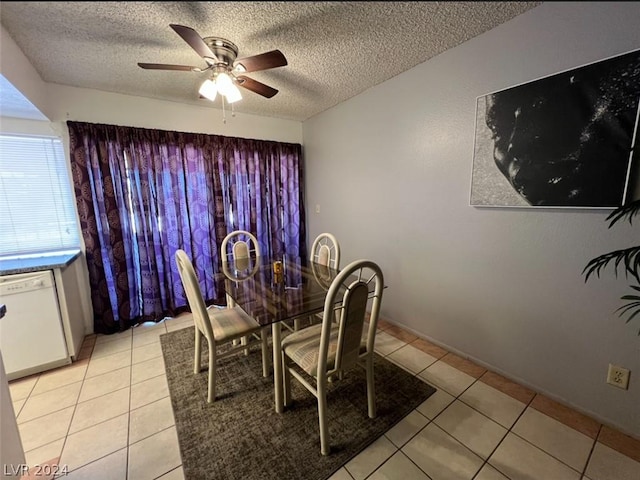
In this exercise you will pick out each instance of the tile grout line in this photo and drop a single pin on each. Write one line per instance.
(35, 418)
(88, 358)
(74, 412)
(127, 446)
(64, 439)
(484, 461)
(155, 433)
(508, 430)
(593, 447)
(429, 421)
(64, 442)
(535, 394)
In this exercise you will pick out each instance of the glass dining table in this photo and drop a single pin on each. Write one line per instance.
(273, 291)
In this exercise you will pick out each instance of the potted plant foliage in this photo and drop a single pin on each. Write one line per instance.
(627, 259)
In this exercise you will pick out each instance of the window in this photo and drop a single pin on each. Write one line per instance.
(37, 209)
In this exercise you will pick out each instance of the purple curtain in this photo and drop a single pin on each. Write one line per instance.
(142, 194)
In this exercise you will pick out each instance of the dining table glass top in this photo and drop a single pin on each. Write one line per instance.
(274, 290)
(273, 293)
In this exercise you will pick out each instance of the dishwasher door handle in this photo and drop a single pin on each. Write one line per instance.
(9, 283)
(32, 282)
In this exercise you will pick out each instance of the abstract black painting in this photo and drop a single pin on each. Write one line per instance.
(566, 140)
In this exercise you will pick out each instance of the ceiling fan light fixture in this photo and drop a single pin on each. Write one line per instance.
(221, 58)
(224, 83)
(233, 94)
(209, 89)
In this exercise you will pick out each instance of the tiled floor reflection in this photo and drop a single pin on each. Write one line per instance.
(108, 416)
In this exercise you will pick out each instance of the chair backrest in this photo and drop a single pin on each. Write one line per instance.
(323, 275)
(325, 250)
(194, 294)
(239, 246)
(358, 283)
(243, 245)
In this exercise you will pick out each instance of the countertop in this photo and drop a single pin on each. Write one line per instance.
(10, 266)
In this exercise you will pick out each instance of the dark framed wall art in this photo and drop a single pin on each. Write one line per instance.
(566, 140)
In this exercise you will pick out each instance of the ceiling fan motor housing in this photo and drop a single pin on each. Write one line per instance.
(226, 51)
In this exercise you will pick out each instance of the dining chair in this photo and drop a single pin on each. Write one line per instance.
(325, 251)
(322, 353)
(219, 326)
(239, 246)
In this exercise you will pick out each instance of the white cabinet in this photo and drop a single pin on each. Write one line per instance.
(46, 310)
(71, 306)
(32, 337)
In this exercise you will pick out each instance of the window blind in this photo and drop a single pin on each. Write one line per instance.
(37, 207)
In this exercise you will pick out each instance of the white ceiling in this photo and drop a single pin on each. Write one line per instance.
(335, 50)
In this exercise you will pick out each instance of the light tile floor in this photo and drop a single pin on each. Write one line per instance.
(108, 416)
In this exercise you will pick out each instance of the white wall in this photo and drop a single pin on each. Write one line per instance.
(391, 171)
(85, 105)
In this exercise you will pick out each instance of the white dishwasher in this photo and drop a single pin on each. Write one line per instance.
(32, 337)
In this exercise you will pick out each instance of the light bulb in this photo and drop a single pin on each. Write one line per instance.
(233, 94)
(209, 90)
(224, 83)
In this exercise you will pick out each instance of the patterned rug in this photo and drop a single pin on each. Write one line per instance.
(240, 436)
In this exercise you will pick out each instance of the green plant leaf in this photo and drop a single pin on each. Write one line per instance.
(627, 260)
(627, 211)
(628, 306)
(631, 316)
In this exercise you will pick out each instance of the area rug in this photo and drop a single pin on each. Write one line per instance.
(240, 436)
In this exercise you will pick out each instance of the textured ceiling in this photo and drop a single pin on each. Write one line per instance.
(335, 50)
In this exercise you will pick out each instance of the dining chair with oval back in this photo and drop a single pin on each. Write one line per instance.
(325, 251)
(323, 353)
(218, 326)
(238, 247)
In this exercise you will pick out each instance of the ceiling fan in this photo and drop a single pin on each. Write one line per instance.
(227, 70)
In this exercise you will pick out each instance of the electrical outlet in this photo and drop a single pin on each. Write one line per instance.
(618, 376)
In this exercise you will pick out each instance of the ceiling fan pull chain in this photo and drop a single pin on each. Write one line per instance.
(224, 118)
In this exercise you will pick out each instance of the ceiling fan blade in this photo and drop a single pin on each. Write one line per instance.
(264, 61)
(163, 66)
(195, 41)
(255, 86)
